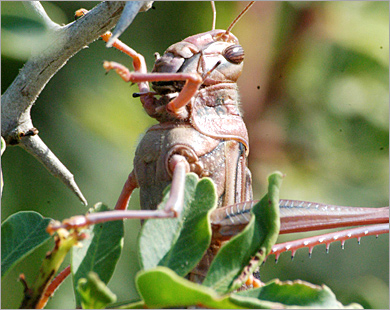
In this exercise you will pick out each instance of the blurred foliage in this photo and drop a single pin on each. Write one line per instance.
(314, 92)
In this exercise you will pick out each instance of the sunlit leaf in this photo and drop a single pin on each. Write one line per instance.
(180, 243)
(3, 146)
(298, 293)
(256, 240)
(162, 288)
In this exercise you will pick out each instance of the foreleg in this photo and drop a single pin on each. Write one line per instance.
(174, 205)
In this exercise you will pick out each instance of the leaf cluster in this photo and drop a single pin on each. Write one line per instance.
(167, 258)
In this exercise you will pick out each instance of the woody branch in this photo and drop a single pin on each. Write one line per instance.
(62, 42)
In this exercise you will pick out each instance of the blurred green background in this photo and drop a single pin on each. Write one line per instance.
(314, 92)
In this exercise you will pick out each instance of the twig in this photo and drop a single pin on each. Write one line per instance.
(64, 241)
(35, 146)
(53, 287)
(37, 8)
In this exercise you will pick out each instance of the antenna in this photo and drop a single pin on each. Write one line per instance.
(239, 16)
(214, 15)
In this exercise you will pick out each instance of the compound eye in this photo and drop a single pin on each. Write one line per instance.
(234, 53)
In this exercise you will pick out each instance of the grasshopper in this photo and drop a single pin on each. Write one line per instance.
(201, 130)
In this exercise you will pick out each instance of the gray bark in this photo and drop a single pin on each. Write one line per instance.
(62, 42)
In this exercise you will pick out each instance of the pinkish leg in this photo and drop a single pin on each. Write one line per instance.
(138, 60)
(173, 207)
(139, 63)
(179, 167)
(176, 106)
(297, 216)
(301, 216)
(130, 185)
(141, 77)
(327, 239)
(193, 81)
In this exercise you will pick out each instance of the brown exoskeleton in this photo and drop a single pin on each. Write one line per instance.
(201, 130)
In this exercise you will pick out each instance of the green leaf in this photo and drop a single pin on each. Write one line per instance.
(3, 146)
(21, 233)
(180, 243)
(298, 293)
(256, 240)
(94, 293)
(162, 288)
(99, 253)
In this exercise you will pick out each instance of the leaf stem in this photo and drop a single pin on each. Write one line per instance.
(53, 287)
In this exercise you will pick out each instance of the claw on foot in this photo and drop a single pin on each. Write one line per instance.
(75, 222)
(254, 282)
(123, 72)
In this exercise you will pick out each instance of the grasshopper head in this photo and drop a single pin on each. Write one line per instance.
(215, 55)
